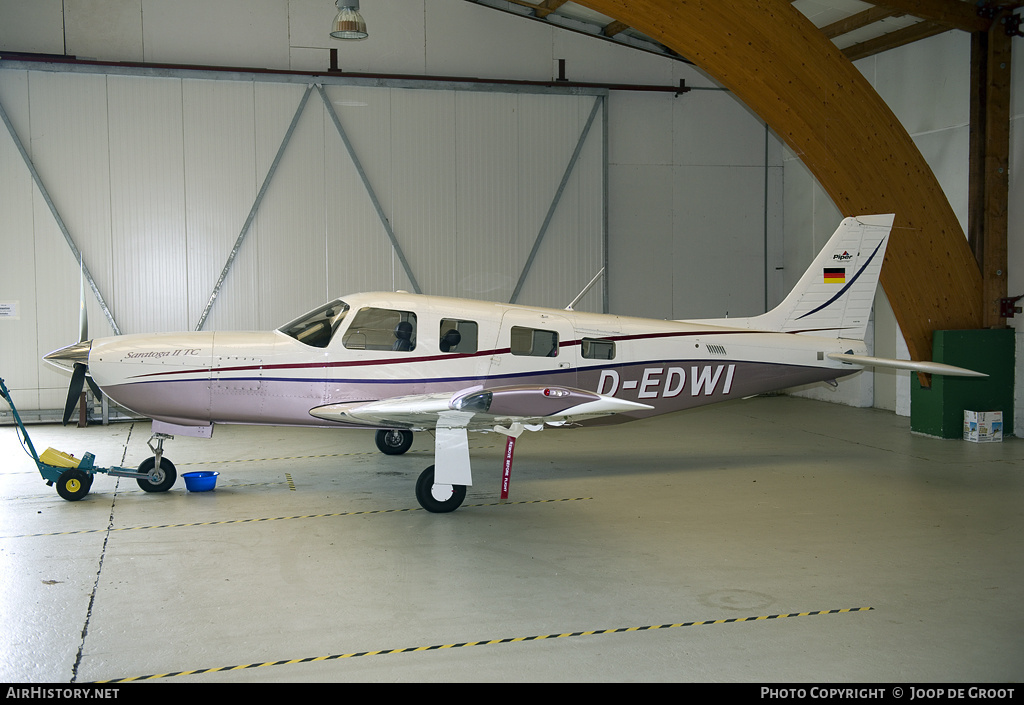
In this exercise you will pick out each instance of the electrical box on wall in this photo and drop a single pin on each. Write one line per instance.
(939, 411)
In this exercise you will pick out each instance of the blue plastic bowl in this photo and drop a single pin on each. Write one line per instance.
(203, 481)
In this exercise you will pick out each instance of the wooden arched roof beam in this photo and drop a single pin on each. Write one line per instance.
(782, 67)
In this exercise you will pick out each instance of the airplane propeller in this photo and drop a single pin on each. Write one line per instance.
(76, 358)
(74, 390)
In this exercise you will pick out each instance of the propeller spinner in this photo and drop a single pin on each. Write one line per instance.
(74, 357)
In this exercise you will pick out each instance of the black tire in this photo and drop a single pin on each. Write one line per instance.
(165, 478)
(425, 497)
(73, 484)
(392, 442)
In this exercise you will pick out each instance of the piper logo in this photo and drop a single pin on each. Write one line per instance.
(843, 257)
(667, 383)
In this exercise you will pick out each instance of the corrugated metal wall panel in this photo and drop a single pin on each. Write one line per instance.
(147, 199)
(221, 184)
(424, 185)
(721, 241)
(488, 202)
(69, 150)
(19, 348)
(289, 242)
(572, 250)
(359, 253)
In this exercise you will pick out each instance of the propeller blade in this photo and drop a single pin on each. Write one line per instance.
(74, 390)
(83, 314)
(94, 387)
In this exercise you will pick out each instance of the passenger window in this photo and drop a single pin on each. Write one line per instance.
(594, 349)
(457, 336)
(534, 342)
(381, 329)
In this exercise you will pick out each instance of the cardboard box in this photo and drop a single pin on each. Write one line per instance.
(983, 426)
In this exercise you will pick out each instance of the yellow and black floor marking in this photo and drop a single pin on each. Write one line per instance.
(491, 642)
(285, 457)
(291, 483)
(312, 457)
(298, 516)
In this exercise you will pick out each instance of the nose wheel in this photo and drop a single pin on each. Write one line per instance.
(160, 472)
(160, 478)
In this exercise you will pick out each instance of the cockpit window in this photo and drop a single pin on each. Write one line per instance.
(317, 327)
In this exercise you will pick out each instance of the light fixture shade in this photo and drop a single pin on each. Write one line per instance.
(348, 23)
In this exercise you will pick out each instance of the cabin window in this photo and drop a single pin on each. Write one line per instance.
(534, 342)
(317, 327)
(457, 336)
(381, 329)
(595, 349)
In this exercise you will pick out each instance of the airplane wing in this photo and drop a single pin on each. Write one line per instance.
(508, 410)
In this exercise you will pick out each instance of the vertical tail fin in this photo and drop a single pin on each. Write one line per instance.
(834, 296)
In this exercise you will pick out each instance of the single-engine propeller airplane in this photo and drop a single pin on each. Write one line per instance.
(399, 363)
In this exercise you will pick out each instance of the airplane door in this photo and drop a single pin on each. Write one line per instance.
(535, 348)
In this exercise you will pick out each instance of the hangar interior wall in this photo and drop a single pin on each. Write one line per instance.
(707, 214)
(155, 176)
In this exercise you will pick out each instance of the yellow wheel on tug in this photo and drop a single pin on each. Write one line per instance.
(73, 484)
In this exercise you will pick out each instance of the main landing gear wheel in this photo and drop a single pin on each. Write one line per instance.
(162, 479)
(438, 498)
(74, 484)
(393, 442)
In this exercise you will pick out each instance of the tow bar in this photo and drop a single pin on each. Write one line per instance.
(73, 476)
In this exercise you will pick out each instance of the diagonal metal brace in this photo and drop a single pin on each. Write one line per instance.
(86, 274)
(598, 102)
(369, 190)
(255, 207)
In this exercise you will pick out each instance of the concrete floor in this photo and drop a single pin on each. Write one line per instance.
(313, 548)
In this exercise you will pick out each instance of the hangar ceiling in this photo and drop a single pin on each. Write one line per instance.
(858, 29)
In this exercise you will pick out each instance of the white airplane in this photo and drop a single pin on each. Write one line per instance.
(399, 363)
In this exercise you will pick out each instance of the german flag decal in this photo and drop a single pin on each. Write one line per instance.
(835, 275)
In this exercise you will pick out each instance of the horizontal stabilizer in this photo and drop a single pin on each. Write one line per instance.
(932, 368)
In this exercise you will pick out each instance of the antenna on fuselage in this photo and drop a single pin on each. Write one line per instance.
(585, 290)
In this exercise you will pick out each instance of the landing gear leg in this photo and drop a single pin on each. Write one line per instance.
(160, 471)
(446, 491)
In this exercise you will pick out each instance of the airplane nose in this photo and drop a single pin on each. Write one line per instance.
(67, 356)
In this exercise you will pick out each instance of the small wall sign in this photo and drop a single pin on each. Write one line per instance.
(9, 309)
